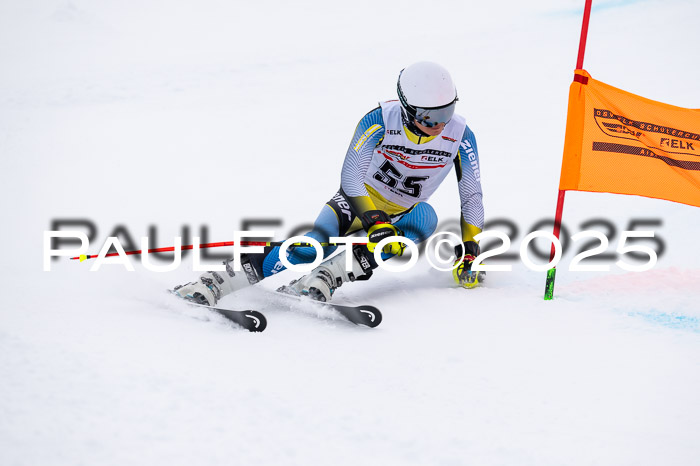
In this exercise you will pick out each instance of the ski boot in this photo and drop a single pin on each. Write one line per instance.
(322, 282)
(212, 286)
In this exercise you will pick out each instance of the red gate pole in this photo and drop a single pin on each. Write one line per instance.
(551, 273)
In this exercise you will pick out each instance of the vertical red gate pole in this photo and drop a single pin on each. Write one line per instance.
(551, 273)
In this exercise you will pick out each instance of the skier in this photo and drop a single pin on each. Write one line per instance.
(400, 153)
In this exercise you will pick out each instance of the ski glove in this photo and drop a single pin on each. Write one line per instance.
(462, 272)
(378, 225)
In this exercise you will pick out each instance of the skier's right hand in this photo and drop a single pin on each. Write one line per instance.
(378, 225)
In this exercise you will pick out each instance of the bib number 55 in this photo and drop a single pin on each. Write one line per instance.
(390, 176)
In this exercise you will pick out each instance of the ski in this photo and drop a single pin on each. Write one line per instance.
(358, 315)
(253, 321)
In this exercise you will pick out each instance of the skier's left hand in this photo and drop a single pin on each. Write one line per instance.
(462, 272)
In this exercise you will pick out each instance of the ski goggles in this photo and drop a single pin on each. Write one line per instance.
(430, 117)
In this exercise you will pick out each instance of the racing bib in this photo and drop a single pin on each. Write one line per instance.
(404, 172)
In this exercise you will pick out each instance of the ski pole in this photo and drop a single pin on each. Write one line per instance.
(204, 246)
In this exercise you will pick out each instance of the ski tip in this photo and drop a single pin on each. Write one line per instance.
(368, 316)
(371, 316)
(258, 322)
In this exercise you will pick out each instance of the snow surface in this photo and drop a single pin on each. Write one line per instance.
(208, 113)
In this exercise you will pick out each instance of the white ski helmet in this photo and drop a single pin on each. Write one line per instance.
(427, 93)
